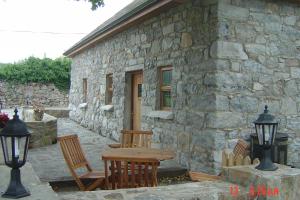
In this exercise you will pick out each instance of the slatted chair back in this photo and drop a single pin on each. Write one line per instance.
(130, 173)
(136, 138)
(76, 161)
(126, 139)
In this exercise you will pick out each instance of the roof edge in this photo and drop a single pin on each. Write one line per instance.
(89, 40)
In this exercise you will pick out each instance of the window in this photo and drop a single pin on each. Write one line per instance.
(109, 89)
(165, 88)
(84, 90)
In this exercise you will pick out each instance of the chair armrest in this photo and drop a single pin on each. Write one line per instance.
(117, 145)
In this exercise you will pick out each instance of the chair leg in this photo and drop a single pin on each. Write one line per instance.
(98, 183)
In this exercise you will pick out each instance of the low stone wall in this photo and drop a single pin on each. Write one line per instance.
(42, 132)
(280, 184)
(61, 112)
(18, 94)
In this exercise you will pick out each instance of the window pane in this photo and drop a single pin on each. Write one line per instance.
(166, 98)
(166, 77)
(139, 90)
(109, 82)
(84, 85)
(109, 89)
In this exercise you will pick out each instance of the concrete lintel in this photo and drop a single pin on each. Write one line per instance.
(107, 108)
(83, 105)
(161, 114)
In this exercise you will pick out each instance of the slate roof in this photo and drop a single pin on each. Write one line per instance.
(130, 10)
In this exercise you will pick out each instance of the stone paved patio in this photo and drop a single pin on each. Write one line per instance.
(49, 163)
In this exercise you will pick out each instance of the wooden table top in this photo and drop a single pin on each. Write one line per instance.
(138, 153)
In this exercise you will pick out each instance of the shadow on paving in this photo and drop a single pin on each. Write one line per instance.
(48, 161)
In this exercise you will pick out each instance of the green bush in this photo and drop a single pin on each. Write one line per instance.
(36, 70)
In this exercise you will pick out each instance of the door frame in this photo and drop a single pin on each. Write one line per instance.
(132, 98)
(128, 102)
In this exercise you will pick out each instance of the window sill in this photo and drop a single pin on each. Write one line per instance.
(109, 108)
(161, 114)
(83, 106)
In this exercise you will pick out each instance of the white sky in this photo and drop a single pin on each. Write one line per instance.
(55, 16)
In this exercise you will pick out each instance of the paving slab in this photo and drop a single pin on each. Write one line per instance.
(39, 190)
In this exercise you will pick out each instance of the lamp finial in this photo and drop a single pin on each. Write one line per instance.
(16, 116)
(266, 109)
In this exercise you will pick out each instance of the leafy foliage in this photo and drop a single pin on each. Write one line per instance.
(38, 70)
(95, 3)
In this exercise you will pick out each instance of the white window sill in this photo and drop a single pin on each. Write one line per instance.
(161, 114)
(82, 105)
(107, 108)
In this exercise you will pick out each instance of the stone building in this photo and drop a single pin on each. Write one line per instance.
(196, 72)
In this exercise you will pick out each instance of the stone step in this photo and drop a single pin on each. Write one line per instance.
(189, 191)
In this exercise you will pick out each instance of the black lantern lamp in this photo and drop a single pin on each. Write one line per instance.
(15, 139)
(266, 128)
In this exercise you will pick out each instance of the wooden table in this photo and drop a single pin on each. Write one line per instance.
(138, 153)
(131, 155)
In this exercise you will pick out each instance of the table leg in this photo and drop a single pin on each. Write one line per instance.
(106, 175)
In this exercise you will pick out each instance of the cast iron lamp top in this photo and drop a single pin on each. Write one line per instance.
(266, 118)
(15, 127)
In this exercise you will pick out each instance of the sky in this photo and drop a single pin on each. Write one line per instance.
(47, 28)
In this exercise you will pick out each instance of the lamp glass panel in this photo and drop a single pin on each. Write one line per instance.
(16, 145)
(7, 148)
(24, 142)
(267, 133)
(259, 132)
(21, 141)
(274, 131)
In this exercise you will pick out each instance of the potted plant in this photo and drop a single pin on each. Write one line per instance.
(38, 112)
(3, 119)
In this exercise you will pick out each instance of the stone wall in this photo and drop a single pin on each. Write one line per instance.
(17, 94)
(180, 37)
(43, 132)
(258, 55)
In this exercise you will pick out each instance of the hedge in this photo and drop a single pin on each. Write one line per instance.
(36, 70)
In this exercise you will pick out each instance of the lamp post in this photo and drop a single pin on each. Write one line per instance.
(266, 129)
(14, 140)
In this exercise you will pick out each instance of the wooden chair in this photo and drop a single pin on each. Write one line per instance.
(134, 138)
(76, 161)
(130, 173)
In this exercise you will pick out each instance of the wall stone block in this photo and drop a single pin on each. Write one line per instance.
(225, 120)
(236, 13)
(231, 50)
(186, 40)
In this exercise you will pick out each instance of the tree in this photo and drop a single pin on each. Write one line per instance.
(95, 3)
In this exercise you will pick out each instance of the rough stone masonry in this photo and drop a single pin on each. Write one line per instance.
(229, 59)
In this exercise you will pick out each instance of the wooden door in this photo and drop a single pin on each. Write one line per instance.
(137, 81)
